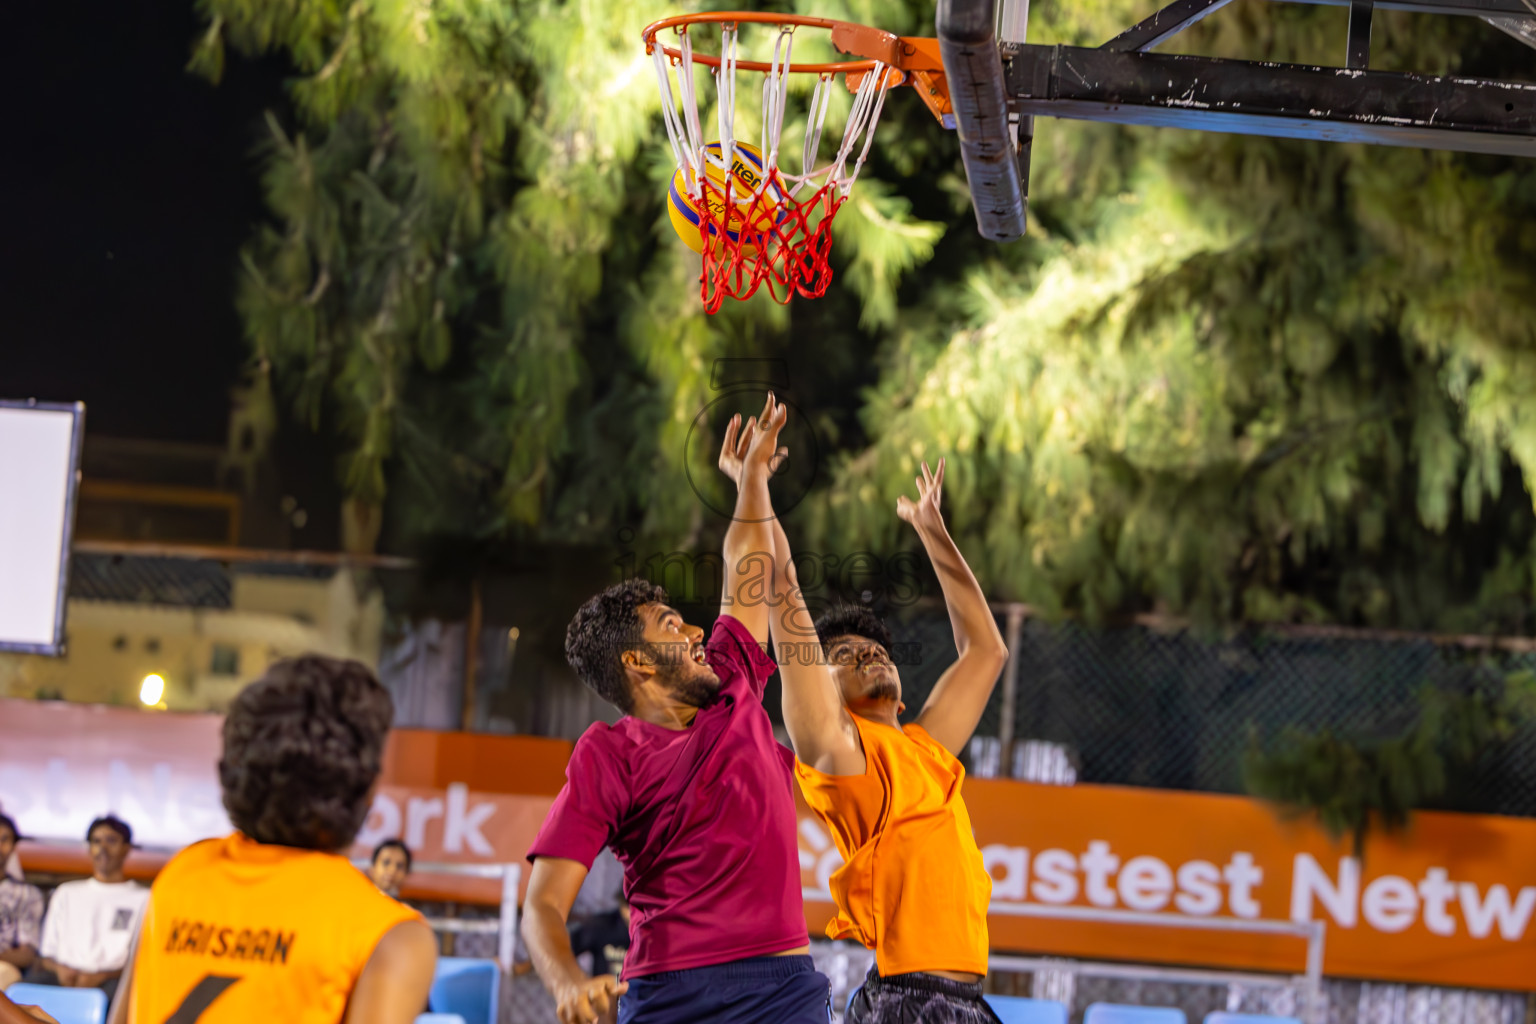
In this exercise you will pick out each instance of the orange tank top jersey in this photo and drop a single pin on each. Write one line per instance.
(912, 886)
(240, 931)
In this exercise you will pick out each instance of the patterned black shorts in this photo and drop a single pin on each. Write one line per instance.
(918, 999)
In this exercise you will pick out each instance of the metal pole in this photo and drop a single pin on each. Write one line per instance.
(1358, 52)
(1013, 20)
(1315, 973)
(471, 657)
(506, 938)
(1313, 932)
(216, 553)
(1010, 691)
(978, 90)
(1261, 926)
(1092, 969)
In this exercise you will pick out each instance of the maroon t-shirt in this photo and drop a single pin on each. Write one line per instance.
(702, 819)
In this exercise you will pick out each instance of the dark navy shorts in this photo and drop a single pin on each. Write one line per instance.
(759, 990)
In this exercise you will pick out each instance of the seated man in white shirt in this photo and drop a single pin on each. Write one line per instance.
(91, 923)
(21, 912)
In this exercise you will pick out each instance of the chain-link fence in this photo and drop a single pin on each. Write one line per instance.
(1135, 705)
(1343, 1002)
(525, 1001)
(1176, 709)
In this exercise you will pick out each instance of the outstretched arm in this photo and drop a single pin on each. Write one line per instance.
(748, 552)
(961, 694)
(552, 890)
(820, 728)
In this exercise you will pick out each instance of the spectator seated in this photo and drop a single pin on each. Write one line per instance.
(21, 911)
(90, 924)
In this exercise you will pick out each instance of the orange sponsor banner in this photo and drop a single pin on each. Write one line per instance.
(1450, 902)
(456, 825)
(453, 797)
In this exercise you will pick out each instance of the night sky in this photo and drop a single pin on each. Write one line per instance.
(133, 186)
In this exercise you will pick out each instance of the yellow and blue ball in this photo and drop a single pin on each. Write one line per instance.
(746, 221)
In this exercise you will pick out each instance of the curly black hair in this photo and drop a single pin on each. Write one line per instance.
(852, 620)
(605, 627)
(302, 749)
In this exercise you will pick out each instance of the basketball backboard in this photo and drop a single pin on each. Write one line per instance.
(39, 474)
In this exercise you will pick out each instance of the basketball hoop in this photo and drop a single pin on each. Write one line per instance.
(760, 223)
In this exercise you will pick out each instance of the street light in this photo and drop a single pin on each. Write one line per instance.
(152, 689)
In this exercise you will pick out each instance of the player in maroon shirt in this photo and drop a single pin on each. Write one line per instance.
(694, 796)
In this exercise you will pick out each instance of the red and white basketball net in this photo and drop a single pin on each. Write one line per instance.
(792, 255)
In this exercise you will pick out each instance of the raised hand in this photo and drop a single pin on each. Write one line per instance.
(590, 1001)
(738, 441)
(956, 702)
(924, 513)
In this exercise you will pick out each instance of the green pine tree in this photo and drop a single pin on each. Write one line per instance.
(467, 266)
(1352, 784)
(1238, 378)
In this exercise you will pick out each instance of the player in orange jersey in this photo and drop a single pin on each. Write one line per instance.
(273, 923)
(921, 903)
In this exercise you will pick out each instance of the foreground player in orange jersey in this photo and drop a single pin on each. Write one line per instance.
(273, 923)
(912, 887)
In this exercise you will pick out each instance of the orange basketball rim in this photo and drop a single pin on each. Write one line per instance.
(794, 202)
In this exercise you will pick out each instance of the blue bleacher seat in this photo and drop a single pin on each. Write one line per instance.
(1116, 1013)
(66, 1005)
(439, 1018)
(1247, 1018)
(469, 988)
(1011, 1009)
(1018, 1010)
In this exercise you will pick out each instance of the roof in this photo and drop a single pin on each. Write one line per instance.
(179, 582)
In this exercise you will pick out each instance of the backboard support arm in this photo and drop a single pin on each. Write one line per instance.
(1163, 25)
(990, 84)
(1358, 54)
(977, 91)
(1278, 100)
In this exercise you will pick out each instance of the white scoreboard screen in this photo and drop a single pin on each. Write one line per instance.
(39, 478)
